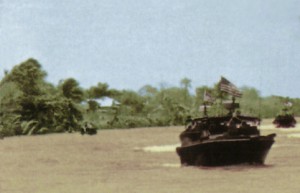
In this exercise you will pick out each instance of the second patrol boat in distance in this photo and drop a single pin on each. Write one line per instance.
(286, 118)
(224, 140)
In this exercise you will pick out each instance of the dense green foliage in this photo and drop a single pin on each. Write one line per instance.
(30, 105)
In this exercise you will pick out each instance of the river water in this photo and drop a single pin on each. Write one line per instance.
(140, 161)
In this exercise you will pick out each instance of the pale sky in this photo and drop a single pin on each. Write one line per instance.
(131, 43)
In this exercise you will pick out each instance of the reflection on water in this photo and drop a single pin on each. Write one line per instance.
(240, 167)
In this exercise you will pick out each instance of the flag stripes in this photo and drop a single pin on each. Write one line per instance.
(207, 97)
(226, 86)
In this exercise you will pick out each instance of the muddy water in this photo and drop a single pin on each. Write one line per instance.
(138, 160)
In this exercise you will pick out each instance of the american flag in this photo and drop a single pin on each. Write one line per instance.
(207, 97)
(288, 104)
(226, 86)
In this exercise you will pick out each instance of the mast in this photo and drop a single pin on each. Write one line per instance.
(232, 107)
(207, 99)
(205, 110)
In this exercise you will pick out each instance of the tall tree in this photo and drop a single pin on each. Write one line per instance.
(30, 105)
(251, 101)
(131, 99)
(28, 76)
(148, 90)
(71, 90)
(99, 91)
(185, 83)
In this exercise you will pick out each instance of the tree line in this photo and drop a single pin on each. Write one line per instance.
(30, 105)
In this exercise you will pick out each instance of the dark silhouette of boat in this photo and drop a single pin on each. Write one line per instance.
(89, 129)
(224, 140)
(285, 119)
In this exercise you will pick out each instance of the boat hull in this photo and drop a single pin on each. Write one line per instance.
(252, 150)
(285, 121)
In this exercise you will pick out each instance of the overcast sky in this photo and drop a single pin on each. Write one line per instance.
(131, 43)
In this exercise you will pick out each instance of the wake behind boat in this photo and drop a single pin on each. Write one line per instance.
(224, 140)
